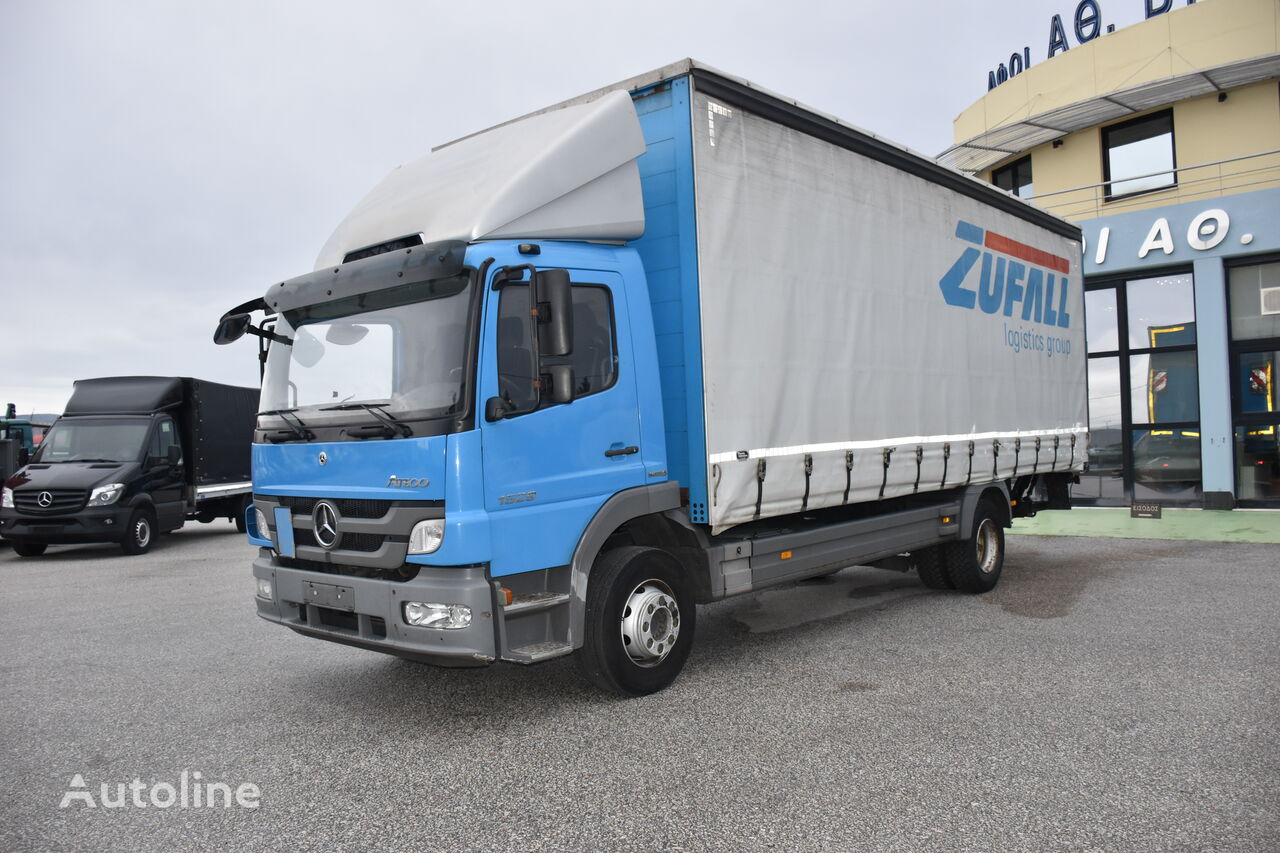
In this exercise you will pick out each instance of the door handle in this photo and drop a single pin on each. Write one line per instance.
(621, 451)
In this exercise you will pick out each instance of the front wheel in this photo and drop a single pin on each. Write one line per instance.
(242, 510)
(639, 623)
(140, 533)
(974, 564)
(29, 549)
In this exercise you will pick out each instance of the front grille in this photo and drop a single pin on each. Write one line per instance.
(405, 572)
(347, 507)
(62, 501)
(365, 542)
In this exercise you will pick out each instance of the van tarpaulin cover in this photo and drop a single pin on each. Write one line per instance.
(829, 344)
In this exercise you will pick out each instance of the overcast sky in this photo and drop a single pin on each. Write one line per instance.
(163, 161)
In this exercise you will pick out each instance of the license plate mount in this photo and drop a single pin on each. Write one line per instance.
(332, 596)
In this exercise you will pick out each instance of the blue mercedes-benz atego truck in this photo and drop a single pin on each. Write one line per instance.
(554, 384)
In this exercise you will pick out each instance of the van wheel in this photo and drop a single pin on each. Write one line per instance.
(640, 621)
(975, 563)
(140, 533)
(932, 568)
(29, 549)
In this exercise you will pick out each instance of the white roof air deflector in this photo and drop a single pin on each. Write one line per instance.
(570, 174)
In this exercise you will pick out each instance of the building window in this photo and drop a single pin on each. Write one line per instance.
(1254, 303)
(1144, 392)
(1137, 155)
(1015, 178)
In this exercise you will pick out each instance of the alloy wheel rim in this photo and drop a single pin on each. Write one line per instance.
(650, 623)
(988, 546)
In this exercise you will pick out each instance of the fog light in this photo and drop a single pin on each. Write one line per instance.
(264, 589)
(426, 615)
(426, 536)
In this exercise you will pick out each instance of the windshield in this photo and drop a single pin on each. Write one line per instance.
(402, 349)
(114, 440)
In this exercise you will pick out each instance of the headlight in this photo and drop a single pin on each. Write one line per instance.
(106, 495)
(426, 536)
(427, 615)
(7, 499)
(264, 588)
(260, 521)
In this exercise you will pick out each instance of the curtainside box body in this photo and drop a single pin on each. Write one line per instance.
(840, 320)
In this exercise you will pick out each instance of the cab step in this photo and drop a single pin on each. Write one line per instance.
(538, 652)
(534, 601)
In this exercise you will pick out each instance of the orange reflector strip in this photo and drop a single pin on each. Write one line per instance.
(786, 555)
(507, 593)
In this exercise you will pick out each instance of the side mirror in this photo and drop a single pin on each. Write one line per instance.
(231, 329)
(495, 409)
(175, 455)
(557, 383)
(555, 313)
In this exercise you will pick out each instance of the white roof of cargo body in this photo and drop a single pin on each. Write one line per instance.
(569, 172)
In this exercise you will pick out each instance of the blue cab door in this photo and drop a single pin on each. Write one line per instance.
(547, 471)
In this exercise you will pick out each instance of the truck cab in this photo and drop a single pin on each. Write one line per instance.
(452, 426)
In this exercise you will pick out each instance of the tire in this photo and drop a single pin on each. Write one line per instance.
(640, 621)
(29, 549)
(974, 564)
(241, 525)
(932, 568)
(140, 533)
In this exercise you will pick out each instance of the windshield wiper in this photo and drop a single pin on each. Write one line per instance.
(296, 427)
(375, 409)
(89, 459)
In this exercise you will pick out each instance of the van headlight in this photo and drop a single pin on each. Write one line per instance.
(106, 495)
(6, 500)
(426, 536)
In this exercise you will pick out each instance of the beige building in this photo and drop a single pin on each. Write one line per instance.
(1162, 141)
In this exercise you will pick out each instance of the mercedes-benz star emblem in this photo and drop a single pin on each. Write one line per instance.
(45, 499)
(323, 458)
(325, 518)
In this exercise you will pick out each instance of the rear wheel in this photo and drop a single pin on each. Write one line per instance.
(639, 623)
(974, 564)
(140, 533)
(29, 549)
(932, 568)
(239, 517)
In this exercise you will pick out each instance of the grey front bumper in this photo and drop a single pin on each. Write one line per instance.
(371, 616)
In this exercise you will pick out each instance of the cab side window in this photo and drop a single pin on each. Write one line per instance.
(595, 353)
(517, 362)
(162, 439)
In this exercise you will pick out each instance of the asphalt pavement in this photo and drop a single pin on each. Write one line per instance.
(1108, 695)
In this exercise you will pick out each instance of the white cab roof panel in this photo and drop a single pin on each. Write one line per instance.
(569, 173)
